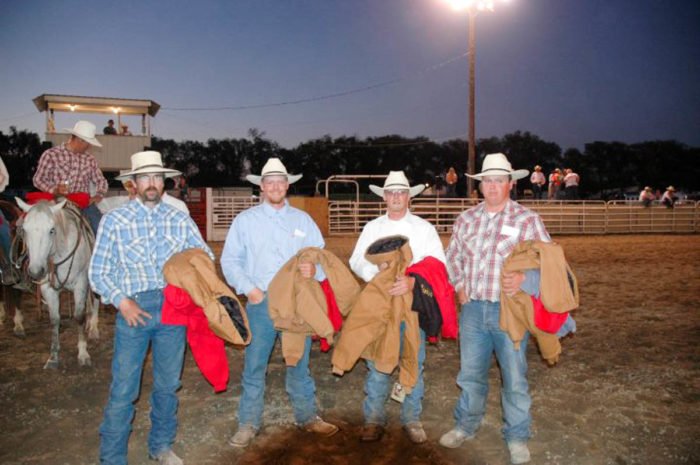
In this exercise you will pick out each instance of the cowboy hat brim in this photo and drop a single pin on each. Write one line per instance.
(167, 172)
(514, 175)
(255, 179)
(412, 191)
(89, 140)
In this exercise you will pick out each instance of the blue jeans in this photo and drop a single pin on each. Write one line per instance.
(299, 383)
(378, 385)
(5, 240)
(130, 348)
(93, 215)
(479, 336)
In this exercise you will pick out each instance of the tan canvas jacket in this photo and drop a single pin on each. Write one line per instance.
(193, 271)
(558, 292)
(297, 305)
(372, 329)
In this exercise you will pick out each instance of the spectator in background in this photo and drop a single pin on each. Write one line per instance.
(451, 179)
(125, 130)
(109, 130)
(669, 198)
(646, 197)
(555, 179)
(182, 186)
(538, 181)
(571, 181)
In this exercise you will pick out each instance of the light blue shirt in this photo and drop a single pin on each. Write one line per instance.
(132, 245)
(262, 239)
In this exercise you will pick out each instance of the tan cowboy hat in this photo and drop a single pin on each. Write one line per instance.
(85, 130)
(497, 164)
(146, 163)
(273, 167)
(647, 188)
(397, 181)
(671, 188)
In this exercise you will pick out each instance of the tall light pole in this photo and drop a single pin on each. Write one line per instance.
(471, 161)
(472, 7)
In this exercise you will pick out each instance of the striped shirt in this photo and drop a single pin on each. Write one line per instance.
(480, 243)
(132, 245)
(59, 164)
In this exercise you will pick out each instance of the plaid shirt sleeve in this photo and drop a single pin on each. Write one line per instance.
(535, 230)
(101, 185)
(44, 176)
(103, 264)
(455, 254)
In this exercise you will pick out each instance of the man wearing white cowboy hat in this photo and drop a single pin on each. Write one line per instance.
(482, 238)
(424, 242)
(538, 181)
(132, 245)
(668, 199)
(69, 168)
(110, 203)
(260, 241)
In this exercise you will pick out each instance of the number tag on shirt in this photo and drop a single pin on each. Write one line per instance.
(509, 231)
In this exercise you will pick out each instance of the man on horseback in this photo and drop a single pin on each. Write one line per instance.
(132, 245)
(69, 168)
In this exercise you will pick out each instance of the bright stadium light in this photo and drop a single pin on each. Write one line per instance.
(472, 7)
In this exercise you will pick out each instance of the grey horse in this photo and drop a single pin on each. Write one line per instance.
(59, 249)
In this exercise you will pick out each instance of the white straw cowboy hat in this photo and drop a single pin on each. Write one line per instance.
(146, 163)
(497, 164)
(397, 181)
(273, 167)
(86, 131)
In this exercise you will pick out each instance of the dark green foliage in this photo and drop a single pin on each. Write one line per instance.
(605, 167)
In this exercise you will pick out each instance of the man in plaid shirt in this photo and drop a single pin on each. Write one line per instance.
(482, 238)
(69, 168)
(126, 269)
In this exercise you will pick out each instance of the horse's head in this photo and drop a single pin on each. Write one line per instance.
(39, 229)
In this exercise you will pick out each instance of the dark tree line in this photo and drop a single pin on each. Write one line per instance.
(606, 168)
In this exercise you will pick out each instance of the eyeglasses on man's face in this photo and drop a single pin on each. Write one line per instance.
(144, 178)
(396, 193)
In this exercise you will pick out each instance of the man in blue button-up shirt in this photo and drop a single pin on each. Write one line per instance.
(132, 245)
(260, 241)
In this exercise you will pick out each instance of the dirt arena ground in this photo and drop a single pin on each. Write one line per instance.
(626, 391)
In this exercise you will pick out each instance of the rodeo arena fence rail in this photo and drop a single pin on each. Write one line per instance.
(560, 217)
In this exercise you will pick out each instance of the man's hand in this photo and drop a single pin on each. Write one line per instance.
(462, 297)
(96, 199)
(255, 296)
(512, 281)
(307, 270)
(132, 313)
(61, 189)
(402, 285)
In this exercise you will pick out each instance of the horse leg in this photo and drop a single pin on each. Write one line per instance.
(51, 297)
(12, 302)
(80, 296)
(93, 320)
